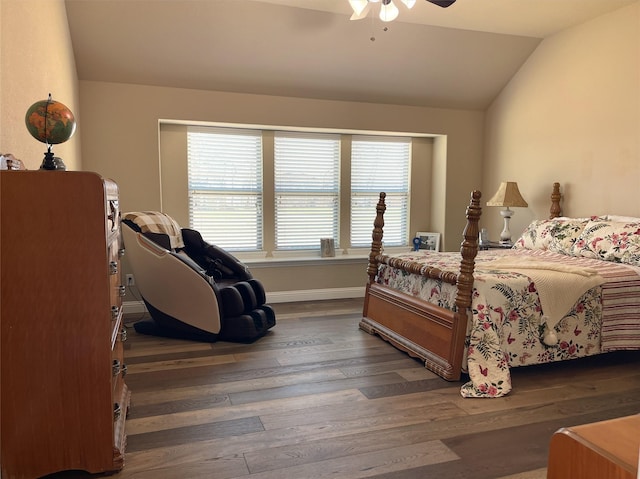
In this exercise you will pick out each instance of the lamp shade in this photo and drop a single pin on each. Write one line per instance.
(508, 195)
(388, 11)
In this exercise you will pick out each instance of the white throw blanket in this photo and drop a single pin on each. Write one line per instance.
(559, 285)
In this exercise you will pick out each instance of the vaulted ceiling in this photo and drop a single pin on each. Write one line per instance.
(458, 57)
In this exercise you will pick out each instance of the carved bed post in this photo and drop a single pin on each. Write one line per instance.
(376, 236)
(469, 250)
(464, 284)
(555, 209)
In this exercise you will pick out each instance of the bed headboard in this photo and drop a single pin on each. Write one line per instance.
(555, 210)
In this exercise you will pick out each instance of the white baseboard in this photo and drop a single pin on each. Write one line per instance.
(315, 294)
(134, 307)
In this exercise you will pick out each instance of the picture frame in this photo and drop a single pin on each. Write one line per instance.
(429, 241)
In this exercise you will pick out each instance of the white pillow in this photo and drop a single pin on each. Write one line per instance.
(558, 234)
(565, 233)
(535, 236)
(622, 219)
(617, 241)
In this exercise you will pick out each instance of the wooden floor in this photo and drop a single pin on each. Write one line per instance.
(318, 398)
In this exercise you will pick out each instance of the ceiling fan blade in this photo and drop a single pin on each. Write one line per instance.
(363, 14)
(442, 3)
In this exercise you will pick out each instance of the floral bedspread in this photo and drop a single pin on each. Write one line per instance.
(507, 327)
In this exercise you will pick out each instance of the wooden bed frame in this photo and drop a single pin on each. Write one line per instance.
(424, 330)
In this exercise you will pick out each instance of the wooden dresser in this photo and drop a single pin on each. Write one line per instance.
(600, 450)
(63, 399)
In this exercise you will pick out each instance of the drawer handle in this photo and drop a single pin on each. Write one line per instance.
(117, 411)
(115, 368)
(113, 267)
(114, 312)
(114, 214)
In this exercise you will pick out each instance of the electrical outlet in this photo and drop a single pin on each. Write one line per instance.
(130, 280)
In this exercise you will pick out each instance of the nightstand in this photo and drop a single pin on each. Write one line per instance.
(495, 245)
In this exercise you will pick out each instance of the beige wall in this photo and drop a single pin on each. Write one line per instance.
(121, 133)
(36, 58)
(572, 115)
(121, 141)
(118, 125)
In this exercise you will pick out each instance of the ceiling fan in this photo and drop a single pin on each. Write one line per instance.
(442, 3)
(388, 10)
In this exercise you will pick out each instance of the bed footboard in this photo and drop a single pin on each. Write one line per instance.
(423, 330)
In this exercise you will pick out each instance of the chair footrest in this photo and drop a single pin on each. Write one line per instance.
(248, 327)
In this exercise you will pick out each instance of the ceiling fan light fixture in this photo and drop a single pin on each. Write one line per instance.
(358, 6)
(388, 11)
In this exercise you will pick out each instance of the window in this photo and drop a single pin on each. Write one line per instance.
(225, 186)
(307, 189)
(266, 190)
(380, 164)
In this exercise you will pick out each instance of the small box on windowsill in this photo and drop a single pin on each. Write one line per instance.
(327, 248)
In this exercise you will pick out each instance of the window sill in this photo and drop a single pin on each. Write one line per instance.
(310, 258)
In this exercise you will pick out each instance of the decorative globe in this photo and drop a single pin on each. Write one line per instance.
(50, 122)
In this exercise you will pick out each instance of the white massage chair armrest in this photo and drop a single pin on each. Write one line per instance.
(170, 284)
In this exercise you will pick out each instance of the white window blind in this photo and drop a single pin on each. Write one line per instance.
(307, 189)
(225, 186)
(380, 164)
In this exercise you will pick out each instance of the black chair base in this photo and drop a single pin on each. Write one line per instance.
(245, 328)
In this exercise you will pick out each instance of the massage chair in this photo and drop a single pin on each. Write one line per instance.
(192, 289)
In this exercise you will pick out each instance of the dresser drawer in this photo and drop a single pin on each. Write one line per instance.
(118, 366)
(117, 289)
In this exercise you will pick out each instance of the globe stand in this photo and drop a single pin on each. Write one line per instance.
(51, 162)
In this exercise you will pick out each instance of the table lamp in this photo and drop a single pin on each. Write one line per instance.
(507, 196)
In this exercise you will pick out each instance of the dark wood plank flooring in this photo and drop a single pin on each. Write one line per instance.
(318, 398)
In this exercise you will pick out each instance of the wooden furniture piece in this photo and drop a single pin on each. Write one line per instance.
(63, 400)
(424, 330)
(601, 450)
